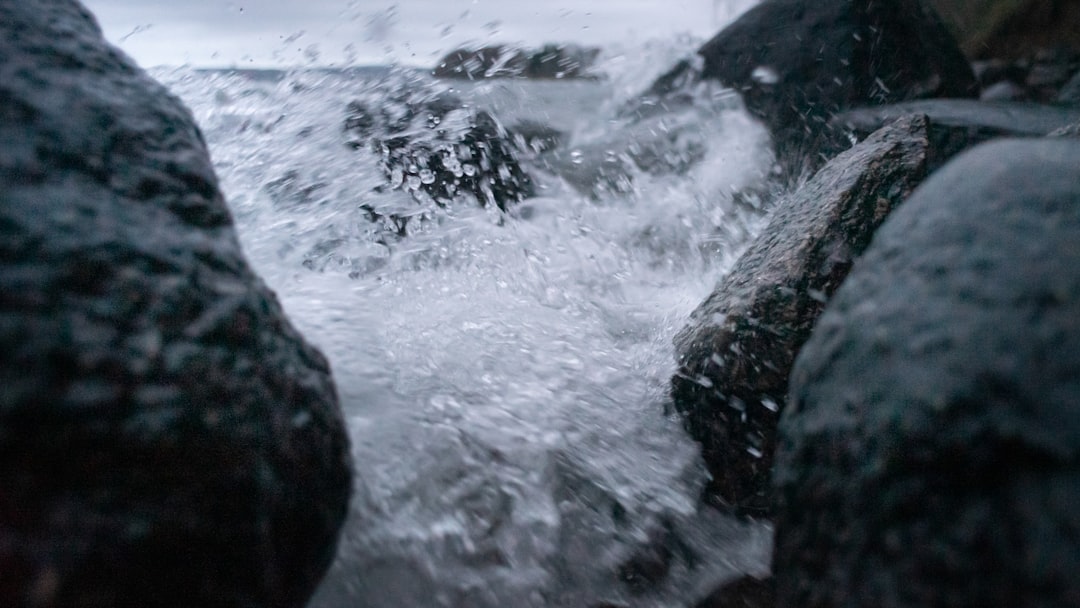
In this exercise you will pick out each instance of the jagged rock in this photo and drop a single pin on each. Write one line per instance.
(167, 438)
(437, 149)
(735, 355)
(552, 61)
(958, 124)
(797, 63)
(930, 452)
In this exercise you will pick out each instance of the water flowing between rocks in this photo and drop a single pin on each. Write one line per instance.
(504, 374)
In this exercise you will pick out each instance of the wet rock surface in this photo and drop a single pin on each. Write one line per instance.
(167, 438)
(552, 61)
(735, 355)
(826, 57)
(928, 455)
(437, 149)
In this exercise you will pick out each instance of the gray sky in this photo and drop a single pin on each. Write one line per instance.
(297, 32)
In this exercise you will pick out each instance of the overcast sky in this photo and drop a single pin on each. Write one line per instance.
(298, 32)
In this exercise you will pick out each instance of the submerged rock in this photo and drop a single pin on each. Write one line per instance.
(930, 453)
(735, 355)
(797, 63)
(552, 61)
(433, 146)
(167, 438)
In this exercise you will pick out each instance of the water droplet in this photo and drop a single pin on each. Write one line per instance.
(765, 75)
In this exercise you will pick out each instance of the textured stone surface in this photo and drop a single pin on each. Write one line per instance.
(435, 148)
(796, 63)
(930, 453)
(166, 437)
(735, 355)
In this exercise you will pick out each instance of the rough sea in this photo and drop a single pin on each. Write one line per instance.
(504, 373)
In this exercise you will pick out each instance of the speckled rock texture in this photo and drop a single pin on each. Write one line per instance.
(167, 438)
(930, 452)
(432, 145)
(735, 355)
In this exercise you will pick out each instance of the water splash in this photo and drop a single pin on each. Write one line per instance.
(504, 373)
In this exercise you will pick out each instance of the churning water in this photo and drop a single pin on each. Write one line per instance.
(504, 374)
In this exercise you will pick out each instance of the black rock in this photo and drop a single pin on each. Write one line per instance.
(167, 438)
(797, 63)
(958, 124)
(745, 592)
(485, 62)
(552, 61)
(930, 451)
(433, 146)
(735, 355)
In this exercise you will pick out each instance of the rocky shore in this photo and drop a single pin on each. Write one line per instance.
(890, 372)
(167, 438)
(907, 426)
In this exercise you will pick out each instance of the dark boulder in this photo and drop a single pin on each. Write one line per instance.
(958, 124)
(436, 148)
(558, 61)
(797, 63)
(930, 451)
(744, 592)
(167, 438)
(735, 355)
(552, 61)
(485, 62)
